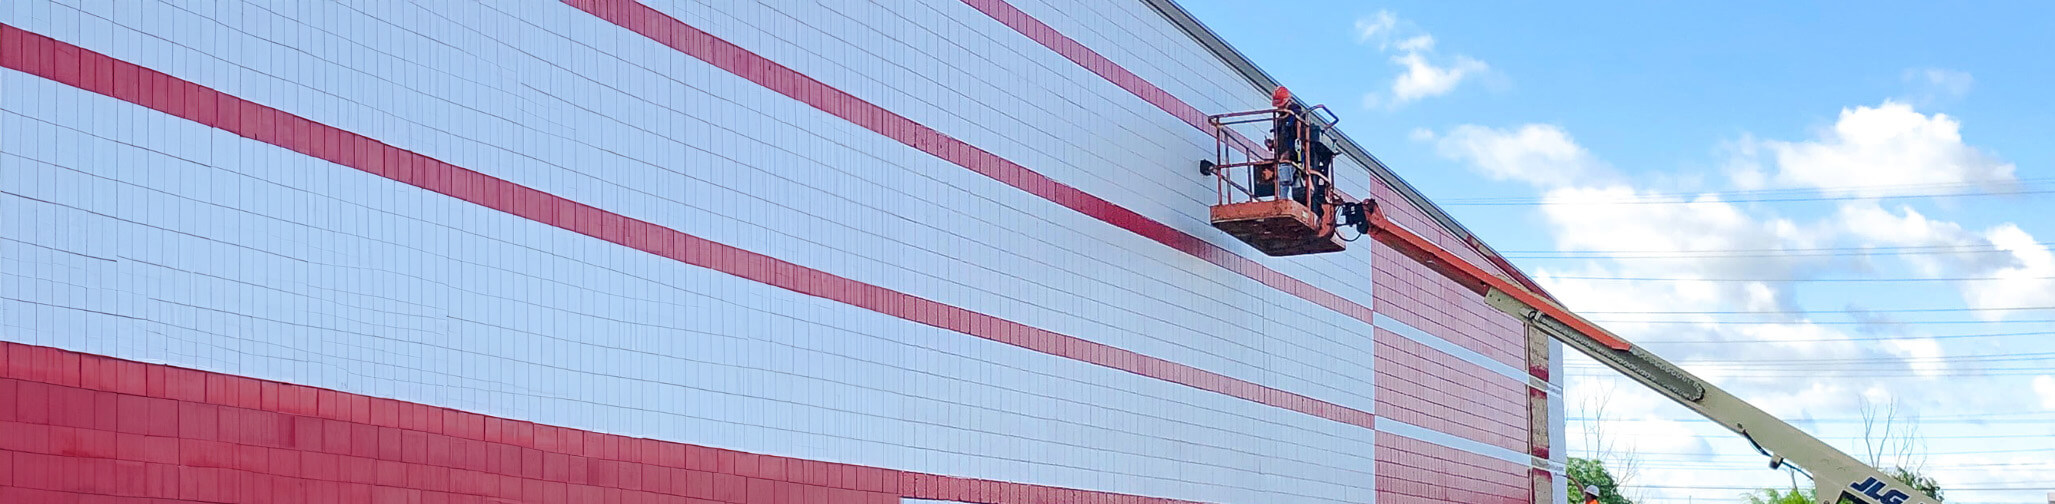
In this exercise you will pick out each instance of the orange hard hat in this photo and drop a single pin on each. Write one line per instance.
(1280, 97)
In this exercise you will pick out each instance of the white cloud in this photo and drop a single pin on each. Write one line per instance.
(1873, 225)
(1888, 149)
(1540, 154)
(1422, 135)
(2025, 283)
(1936, 85)
(1423, 72)
(1417, 43)
(1805, 369)
(1423, 79)
(1376, 26)
(2020, 263)
(2044, 386)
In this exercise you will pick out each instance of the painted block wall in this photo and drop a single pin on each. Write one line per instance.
(936, 237)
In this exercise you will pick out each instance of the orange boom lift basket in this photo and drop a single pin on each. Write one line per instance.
(1273, 196)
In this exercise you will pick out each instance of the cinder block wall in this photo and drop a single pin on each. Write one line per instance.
(734, 251)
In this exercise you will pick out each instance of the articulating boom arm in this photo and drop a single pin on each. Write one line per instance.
(1837, 475)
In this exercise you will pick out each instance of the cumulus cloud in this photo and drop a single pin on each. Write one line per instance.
(2025, 283)
(1737, 321)
(1423, 72)
(2044, 386)
(1417, 43)
(1937, 85)
(1376, 26)
(1539, 154)
(1889, 149)
(1423, 79)
(1812, 372)
(1893, 149)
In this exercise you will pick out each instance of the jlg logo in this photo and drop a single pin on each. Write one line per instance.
(1875, 490)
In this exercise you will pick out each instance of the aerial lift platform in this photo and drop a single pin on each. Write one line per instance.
(1271, 198)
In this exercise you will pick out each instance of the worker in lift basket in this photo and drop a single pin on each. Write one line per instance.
(1285, 145)
(1590, 494)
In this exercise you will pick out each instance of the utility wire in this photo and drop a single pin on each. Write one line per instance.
(1801, 190)
(1828, 322)
(1746, 456)
(1758, 196)
(1827, 361)
(1687, 201)
(1667, 436)
(1835, 420)
(1777, 250)
(1883, 374)
(2045, 486)
(1850, 338)
(1850, 311)
(1795, 280)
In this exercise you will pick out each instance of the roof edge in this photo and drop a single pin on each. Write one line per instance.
(1263, 82)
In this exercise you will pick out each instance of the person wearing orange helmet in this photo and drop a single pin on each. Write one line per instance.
(1296, 145)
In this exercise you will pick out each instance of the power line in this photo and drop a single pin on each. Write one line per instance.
(1922, 437)
(1752, 456)
(1829, 322)
(1860, 361)
(1830, 420)
(1882, 374)
(2045, 486)
(1802, 190)
(1850, 338)
(1778, 250)
(1749, 256)
(1796, 280)
(1757, 196)
(1855, 419)
(1850, 310)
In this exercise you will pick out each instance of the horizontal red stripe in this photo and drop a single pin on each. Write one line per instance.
(39, 55)
(1085, 57)
(676, 34)
(1418, 296)
(1414, 471)
(1419, 385)
(85, 425)
(1034, 29)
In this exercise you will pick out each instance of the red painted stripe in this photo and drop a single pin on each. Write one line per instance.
(1411, 471)
(1034, 29)
(676, 34)
(39, 55)
(86, 428)
(1041, 33)
(1419, 385)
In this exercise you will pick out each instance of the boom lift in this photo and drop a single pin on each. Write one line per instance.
(1289, 221)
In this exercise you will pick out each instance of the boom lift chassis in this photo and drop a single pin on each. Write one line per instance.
(1837, 476)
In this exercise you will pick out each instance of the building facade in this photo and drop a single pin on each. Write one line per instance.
(688, 251)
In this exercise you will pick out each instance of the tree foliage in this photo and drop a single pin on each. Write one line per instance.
(1777, 496)
(1584, 471)
(1925, 484)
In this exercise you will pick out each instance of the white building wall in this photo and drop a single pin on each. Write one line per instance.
(139, 235)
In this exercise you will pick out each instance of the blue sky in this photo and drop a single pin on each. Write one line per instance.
(1573, 104)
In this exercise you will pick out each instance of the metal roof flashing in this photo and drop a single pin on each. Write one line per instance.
(1263, 82)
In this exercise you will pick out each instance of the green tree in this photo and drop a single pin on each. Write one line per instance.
(1776, 496)
(1925, 484)
(1584, 471)
(1918, 481)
